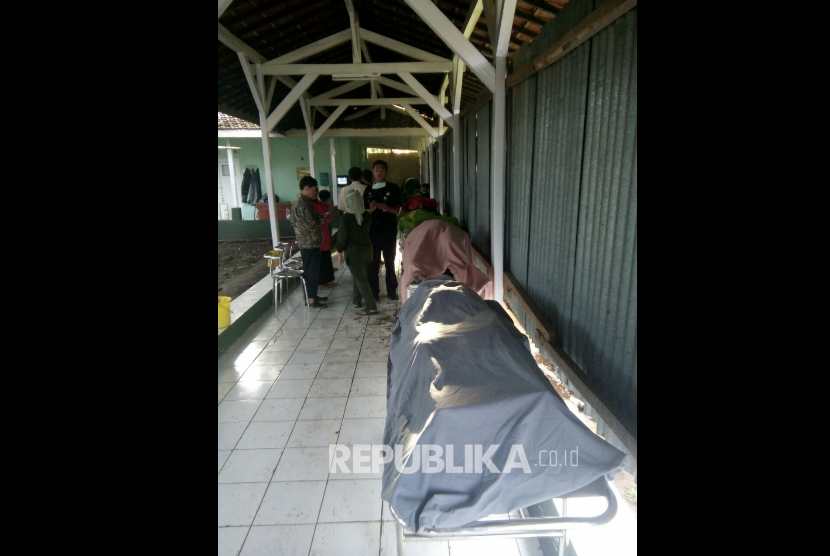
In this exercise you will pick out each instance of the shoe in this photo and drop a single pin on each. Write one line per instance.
(322, 298)
(393, 297)
(317, 305)
(358, 305)
(368, 312)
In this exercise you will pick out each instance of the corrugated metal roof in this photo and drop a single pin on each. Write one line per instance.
(275, 27)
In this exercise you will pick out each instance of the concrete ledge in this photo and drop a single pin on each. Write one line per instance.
(248, 307)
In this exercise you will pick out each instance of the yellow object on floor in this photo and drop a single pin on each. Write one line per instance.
(224, 311)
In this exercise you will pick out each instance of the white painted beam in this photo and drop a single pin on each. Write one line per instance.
(365, 132)
(223, 5)
(354, 31)
(249, 77)
(455, 39)
(333, 173)
(360, 113)
(508, 13)
(331, 69)
(290, 99)
(235, 44)
(309, 129)
(347, 88)
(422, 92)
(270, 95)
(400, 47)
(388, 101)
(497, 173)
(376, 92)
(313, 48)
(421, 121)
(327, 124)
(245, 133)
(391, 83)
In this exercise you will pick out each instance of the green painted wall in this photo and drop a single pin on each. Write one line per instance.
(288, 154)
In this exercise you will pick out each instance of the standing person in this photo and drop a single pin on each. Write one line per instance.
(383, 200)
(355, 177)
(309, 233)
(367, 178)
(328, 213)
(353, 237)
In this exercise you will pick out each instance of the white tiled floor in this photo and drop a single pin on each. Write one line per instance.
(297, 382)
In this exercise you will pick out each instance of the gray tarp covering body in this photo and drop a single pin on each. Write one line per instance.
(460, 373)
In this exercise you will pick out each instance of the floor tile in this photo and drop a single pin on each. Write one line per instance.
(229, 434)
(323, 408)
(369, 386)
(484, 547)
(250, 466)
(278, 540)
(291, 503)
(230, 374)
(237, 411)
(288, 388)
(337, 369)
(230, 540)
(389, 544)
(285, 409)
(224, 388)
(330, 387)
(262, 372)
(273, 358)
(265, 435)
(351, 500)
(249, 390)
(303, 464)
(362, 431)
(238, 502)
(371, 368)
(308, 434)
(346, 539)
(366, 407)
(294, 372)
(223, 455)
(306, 357)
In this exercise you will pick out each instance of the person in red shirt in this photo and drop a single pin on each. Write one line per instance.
(324, 208)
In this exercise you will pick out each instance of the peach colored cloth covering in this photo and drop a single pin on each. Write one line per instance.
(433, 247)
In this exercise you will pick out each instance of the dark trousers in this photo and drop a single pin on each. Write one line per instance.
(387, 248)
(361, 293)
(326, 267)
(311, 269)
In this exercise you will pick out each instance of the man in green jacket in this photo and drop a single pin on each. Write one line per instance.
(353, 238)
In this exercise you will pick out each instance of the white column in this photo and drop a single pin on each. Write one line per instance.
(441, 174)
(269, 184)
(333, 171)
(232, 172)
(498, 141)
(456, 166)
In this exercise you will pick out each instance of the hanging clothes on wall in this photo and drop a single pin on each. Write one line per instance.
(246, 184)
(256, 185)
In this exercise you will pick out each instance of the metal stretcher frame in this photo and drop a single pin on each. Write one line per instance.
(525, 526)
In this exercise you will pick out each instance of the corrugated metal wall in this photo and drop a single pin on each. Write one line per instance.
(557, 163)
(571, 227)
(521, 129)
(604, 315)
(446, 145)
(469, 190)
(481, 231)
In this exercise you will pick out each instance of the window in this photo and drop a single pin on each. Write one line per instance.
(225, 170)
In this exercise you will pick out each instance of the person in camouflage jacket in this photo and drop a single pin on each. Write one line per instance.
(309, 234)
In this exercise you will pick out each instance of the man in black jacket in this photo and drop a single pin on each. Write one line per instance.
(383, 200)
